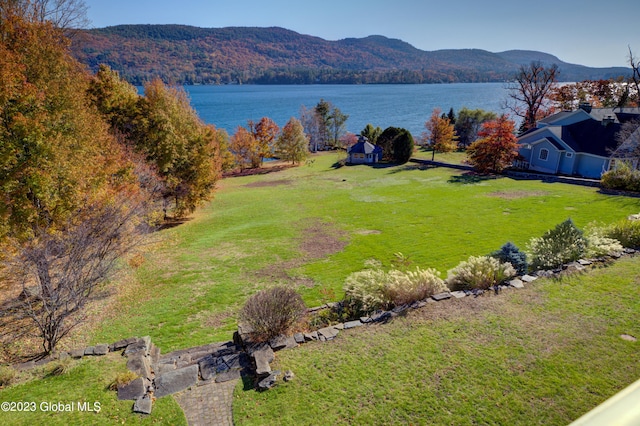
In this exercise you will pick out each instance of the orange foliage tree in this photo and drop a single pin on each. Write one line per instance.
(440, 133)
(265, 133)
(244, 147)
(497, 147)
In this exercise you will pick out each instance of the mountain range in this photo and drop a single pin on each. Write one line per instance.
(183, 54)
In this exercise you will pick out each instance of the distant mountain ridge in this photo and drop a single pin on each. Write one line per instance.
(184, 54)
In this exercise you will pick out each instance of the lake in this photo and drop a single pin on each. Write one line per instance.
(407, 106)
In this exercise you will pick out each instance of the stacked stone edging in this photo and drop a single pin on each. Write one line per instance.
(263, 353)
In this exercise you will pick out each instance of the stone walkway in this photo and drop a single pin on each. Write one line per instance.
(208, 404)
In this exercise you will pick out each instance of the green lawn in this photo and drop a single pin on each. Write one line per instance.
(313, 225)
(252, 234)
(543, 355)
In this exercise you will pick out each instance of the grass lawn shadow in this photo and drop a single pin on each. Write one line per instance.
(471, 178)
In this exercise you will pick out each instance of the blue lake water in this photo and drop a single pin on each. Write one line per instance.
(407, 106)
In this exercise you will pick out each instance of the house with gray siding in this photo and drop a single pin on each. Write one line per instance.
(364, 152)
(575, 143)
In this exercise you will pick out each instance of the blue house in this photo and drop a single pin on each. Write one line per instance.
(364, 152)
(583, 142)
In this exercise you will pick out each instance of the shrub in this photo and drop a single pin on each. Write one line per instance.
(7, 375)
(408, 287)
(273, 312)
(122, 379)
(622, 177)
(364, 290)
(627, 232)
(512, 254)
(565, 243)
(368, 290)
(598, 244)
(479, 272)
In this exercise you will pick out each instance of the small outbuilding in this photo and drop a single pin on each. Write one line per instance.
(364, 152)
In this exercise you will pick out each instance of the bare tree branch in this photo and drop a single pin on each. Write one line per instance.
(533, 84)
(60, 271)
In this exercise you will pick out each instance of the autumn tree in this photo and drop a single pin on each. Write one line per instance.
(497, 147)
(597, 93)
(292, 144)
(468, 124)
(70, 193)
(55, 151)
(265, 133)
(530, 92)
(227, 159)
(440, 133)
(244, 147)
(182, 147)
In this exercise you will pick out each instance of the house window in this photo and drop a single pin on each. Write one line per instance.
(544, 154)
(569, 154)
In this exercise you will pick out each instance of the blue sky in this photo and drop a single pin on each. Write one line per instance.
(587, 32)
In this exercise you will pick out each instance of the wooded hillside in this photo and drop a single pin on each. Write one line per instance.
(191, 55)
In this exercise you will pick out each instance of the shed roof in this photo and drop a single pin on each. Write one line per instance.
(364, 147)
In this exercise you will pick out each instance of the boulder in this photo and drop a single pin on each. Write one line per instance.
(89, 350)
(121, 344)
(299, 338)
(458, 294)
(380, 316)
(139, 364)
(227, 376)
(154, 353)
(76, 353)
(143, 405)
(263, 358)
(516, 283)
(351, 324)
(584, 262)
(441, 296)
(162, 368)
(236, 361)
(140, 345)
(329, 333)
(528, 278)
(269, 381)
(209, 367)
(288, 376)
(176, 380)
(282, 342)
(311, 336)
(132, 390)
(101, 349)
(418, 304)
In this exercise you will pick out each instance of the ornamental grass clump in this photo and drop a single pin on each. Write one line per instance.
(372, 289)
(598, 244)
(364, 290)
(273, 312)
(479, 272)
(627, 232)
(407, 287)
(512, 254)
(565, 243)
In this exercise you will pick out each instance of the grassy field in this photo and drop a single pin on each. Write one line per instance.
(311, 227)
(543, 355)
